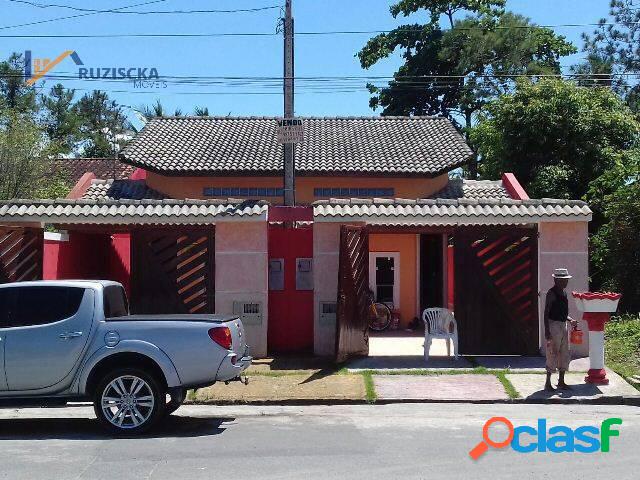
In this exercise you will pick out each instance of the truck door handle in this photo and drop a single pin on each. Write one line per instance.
(68, 335)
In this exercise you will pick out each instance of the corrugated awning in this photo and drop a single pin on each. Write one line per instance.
(131, 212)
(461, 211)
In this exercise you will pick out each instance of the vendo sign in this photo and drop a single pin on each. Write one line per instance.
(290, 130)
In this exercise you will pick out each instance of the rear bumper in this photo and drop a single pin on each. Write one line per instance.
(229, 369)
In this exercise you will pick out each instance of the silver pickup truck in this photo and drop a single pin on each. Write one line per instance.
(64, 341)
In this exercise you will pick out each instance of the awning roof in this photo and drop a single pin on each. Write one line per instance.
(440, 212)
(131, 212)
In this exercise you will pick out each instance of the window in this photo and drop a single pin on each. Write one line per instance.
(354, 192)
(43, 305)
(115, 302)
(242, 192)
(6, 304)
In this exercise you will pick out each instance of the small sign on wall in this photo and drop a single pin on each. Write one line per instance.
(290, 130)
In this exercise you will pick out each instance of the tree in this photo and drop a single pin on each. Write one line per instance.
(61, 119)
(616, 246)
(615, 43)
(22, 155)
(15, 94)
(455, 72)
(555, 136)
(103, 125)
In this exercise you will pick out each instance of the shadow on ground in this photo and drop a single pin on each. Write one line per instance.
(90, 429)
(579, 390)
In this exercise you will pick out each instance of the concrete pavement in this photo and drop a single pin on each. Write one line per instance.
(408, 441)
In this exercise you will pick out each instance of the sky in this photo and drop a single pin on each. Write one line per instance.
(237, 56)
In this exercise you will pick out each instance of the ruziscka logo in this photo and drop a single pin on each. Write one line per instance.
(543, 438)
(142, 77)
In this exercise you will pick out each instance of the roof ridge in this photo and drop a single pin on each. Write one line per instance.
(302, 117)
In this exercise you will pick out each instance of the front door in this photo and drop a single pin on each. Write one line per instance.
(352, 322)
(48, 330)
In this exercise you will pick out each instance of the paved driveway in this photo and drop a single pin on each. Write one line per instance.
(408, 441)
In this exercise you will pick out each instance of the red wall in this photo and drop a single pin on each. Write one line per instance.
(290, 311)
(89, 256)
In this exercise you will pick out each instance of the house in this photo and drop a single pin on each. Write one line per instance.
(200, 227)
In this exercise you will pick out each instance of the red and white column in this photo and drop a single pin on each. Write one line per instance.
(597, 374)
(597, 308)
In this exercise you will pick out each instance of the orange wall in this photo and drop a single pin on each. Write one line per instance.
(192, 187)
(406, 245)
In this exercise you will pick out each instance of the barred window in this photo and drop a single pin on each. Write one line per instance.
(354, 192)
(242, 192)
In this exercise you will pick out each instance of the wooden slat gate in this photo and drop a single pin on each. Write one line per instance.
(172, 271)
(21, 254)
(496, 285)
(352, 324)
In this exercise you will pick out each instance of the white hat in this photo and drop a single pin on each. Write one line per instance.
(561, 273)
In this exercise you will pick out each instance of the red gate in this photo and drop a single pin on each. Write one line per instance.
(290, 289)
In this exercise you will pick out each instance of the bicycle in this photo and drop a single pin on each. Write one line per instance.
(379, 315)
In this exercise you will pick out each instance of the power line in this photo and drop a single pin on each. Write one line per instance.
(148, 12)
(309, 33)
(77, 16)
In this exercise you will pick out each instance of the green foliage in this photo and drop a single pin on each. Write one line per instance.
(61, 119)
(15, 94)
(616, 246)
(556, 137)
(103, 124)
(455, 72)
(22, 155)
(622, 348)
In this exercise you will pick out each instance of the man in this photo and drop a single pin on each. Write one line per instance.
(556, 316)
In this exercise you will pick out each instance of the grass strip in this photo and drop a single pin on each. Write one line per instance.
(369, 387)
(508, 386)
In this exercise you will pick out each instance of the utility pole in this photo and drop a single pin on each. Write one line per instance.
(289, 161)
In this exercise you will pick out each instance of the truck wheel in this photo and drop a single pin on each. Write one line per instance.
(178, 397)
(129, 401)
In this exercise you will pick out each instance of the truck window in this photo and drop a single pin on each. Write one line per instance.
(115, 301)
(6, 302)
(43, 305)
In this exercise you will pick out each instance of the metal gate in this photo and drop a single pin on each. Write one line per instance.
(21, 254)
(352, 324)
(496, 290)
(172, 271)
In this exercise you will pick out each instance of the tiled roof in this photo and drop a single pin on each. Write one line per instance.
(121, 189)
(478, 189)
(451, 212)
(74, 168)
(150, 212)
(373, 145)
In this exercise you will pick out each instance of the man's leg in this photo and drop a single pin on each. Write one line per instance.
(564, 357)
(547, 386)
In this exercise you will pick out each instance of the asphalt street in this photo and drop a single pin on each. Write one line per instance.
(407, 441)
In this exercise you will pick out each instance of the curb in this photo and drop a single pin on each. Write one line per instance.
(618, 400)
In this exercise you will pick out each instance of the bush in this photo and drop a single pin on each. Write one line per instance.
(623, 345)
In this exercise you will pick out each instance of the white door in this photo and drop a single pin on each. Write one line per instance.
(5, 302)
(384, 277)
(48, 331)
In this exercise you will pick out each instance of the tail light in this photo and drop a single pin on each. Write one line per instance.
(222, 336)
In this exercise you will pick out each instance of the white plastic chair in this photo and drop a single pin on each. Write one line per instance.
(440, 323)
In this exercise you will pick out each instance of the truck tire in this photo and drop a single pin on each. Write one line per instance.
(129, 401)
(178, 397)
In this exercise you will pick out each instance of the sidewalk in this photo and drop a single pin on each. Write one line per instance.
(309, 380)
